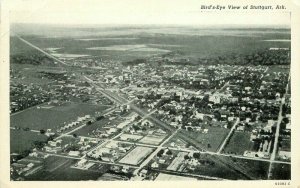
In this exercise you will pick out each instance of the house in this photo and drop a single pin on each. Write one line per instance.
(81, 162)
(205, 131)
(155, 165)
(125, 169)
(143, 172)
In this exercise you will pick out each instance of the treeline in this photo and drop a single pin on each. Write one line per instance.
(33, 58)
(265, 57)
(135, 62)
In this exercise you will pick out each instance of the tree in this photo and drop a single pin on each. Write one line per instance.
(38, 144)
(169, 152)
(208, 145)
(75, 135)
(186, 157)
(159, 154)
(196, 155)
(42, 131)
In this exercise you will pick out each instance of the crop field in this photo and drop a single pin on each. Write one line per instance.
(152, 139)
(239, 142)
(136, 155)
(22, 140)
(53, 118)
(212, 140)
(195, 42)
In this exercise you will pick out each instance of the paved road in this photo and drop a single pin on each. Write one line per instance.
(44, 52)
(275, 147)
(146, 161)
(228, 136)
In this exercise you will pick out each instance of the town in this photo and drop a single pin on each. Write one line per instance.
(161, 117)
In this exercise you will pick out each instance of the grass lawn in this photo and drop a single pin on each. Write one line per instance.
(281, 171)
(253, 168)
(54, 117)
(22, 140)
(214, 137)
(239, 142)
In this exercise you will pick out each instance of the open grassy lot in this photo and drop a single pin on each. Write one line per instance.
(152, 139)
(211, 140)
(281, 172)
(239, 142)
(255, 169)
(22, 140)
(58, 169)
(54, 117)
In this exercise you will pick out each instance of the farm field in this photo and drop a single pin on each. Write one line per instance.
(22, 140)
(54, 117)
(239, 142)
(210, 141)
(136, 155)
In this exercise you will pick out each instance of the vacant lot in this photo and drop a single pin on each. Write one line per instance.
(281, 171)
(210, 141)
(136, 155)
(22, 140)
(152, 139)
(239, 142)
(53, 118)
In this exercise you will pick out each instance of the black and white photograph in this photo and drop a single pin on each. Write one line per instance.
(148, 91)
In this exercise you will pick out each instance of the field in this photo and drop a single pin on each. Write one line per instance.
(22, 140)
(281, 171)
(239, 142)
(30, 74)
(58, 169)
(152, 139)
(130, 137)
(169, 177)
(253, 168)
(54, 117)
(136, 155)
(214, 137)
(190, 41)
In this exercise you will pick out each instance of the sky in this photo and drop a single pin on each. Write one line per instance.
(182, 12)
